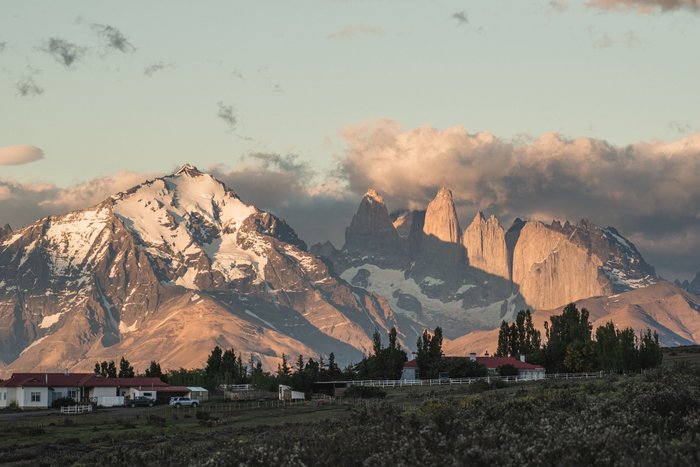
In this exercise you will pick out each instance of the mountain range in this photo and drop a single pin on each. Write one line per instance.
(179, 264)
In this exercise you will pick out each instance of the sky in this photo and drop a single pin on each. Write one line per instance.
(536, 108)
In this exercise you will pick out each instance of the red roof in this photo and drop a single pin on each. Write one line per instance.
(101, 381)
(411, 364)
(47, 379)
(495, 362)
(80, 380)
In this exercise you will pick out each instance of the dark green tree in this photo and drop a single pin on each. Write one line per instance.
(213, 367)
(334, 372)
(650, 355)
(503, 349)
(519, 338)
(429, 353)
(125, 369)
(111, 369)
(154, 370)
(572, 326)
(283, 370)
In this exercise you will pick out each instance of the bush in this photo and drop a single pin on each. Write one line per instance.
(62, 402)
(507, 370)
(364, 392)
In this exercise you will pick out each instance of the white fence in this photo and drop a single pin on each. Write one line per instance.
(76, 409)
(397, 383)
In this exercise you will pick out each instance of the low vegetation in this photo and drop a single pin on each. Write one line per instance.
(652, 418)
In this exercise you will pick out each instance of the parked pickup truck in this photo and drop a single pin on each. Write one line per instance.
(140, 402)
(183, 402)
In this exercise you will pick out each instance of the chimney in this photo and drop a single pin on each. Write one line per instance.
(46, 378)
(472, 357)
(65, 372)
(522, 358)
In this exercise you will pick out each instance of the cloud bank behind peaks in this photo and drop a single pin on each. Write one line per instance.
(648, 190)
(19, 154)
(646, 6)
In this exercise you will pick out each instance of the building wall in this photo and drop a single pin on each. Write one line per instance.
(7, 396)
(26, 397)
(102, 392)
(58, 393)
(199, 395)
(409, 373)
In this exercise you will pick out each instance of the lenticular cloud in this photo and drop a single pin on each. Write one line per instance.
(19, 154)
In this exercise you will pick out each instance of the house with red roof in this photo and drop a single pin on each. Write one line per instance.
(40, 390)
(492, 364)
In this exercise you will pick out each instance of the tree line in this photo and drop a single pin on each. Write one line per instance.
(226, 367)
(571, 345)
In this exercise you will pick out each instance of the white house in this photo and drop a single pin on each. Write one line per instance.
(492, 364)
(40, 390)
(410, 370)
(286, 394)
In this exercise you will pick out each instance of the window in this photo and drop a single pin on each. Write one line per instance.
(36, 397)
(73, 394)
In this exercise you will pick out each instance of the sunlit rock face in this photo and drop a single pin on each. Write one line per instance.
(476, 278)
(485, 241)
(441, 218)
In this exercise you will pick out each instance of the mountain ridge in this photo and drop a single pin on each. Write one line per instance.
(106, 274)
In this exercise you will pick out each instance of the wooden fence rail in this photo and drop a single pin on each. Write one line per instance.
(76, 409)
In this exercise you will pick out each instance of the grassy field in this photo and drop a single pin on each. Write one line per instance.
(687, 354)
(648, 419)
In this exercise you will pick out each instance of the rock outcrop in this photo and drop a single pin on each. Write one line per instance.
(403, 222)
(662, 307)
(694, 285)
(5, 231)
(557, 264)
(483, 275)
(552, 271)
(485, 241)
(371, 232)
(441, 218)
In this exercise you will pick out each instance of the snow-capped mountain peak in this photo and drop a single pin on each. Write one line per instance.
(168, 269)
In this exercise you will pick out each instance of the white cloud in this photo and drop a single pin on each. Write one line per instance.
(19, 154)
(648, 190)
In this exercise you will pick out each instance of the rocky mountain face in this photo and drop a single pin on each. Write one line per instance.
(485, 242)
(476, 278)
(371, 232)
(168, 270)
(441, 218)
(664, 307)
(5, 231)
(690, 286)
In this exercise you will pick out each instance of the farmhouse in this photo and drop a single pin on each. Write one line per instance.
(492, 364)
(40, 390)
